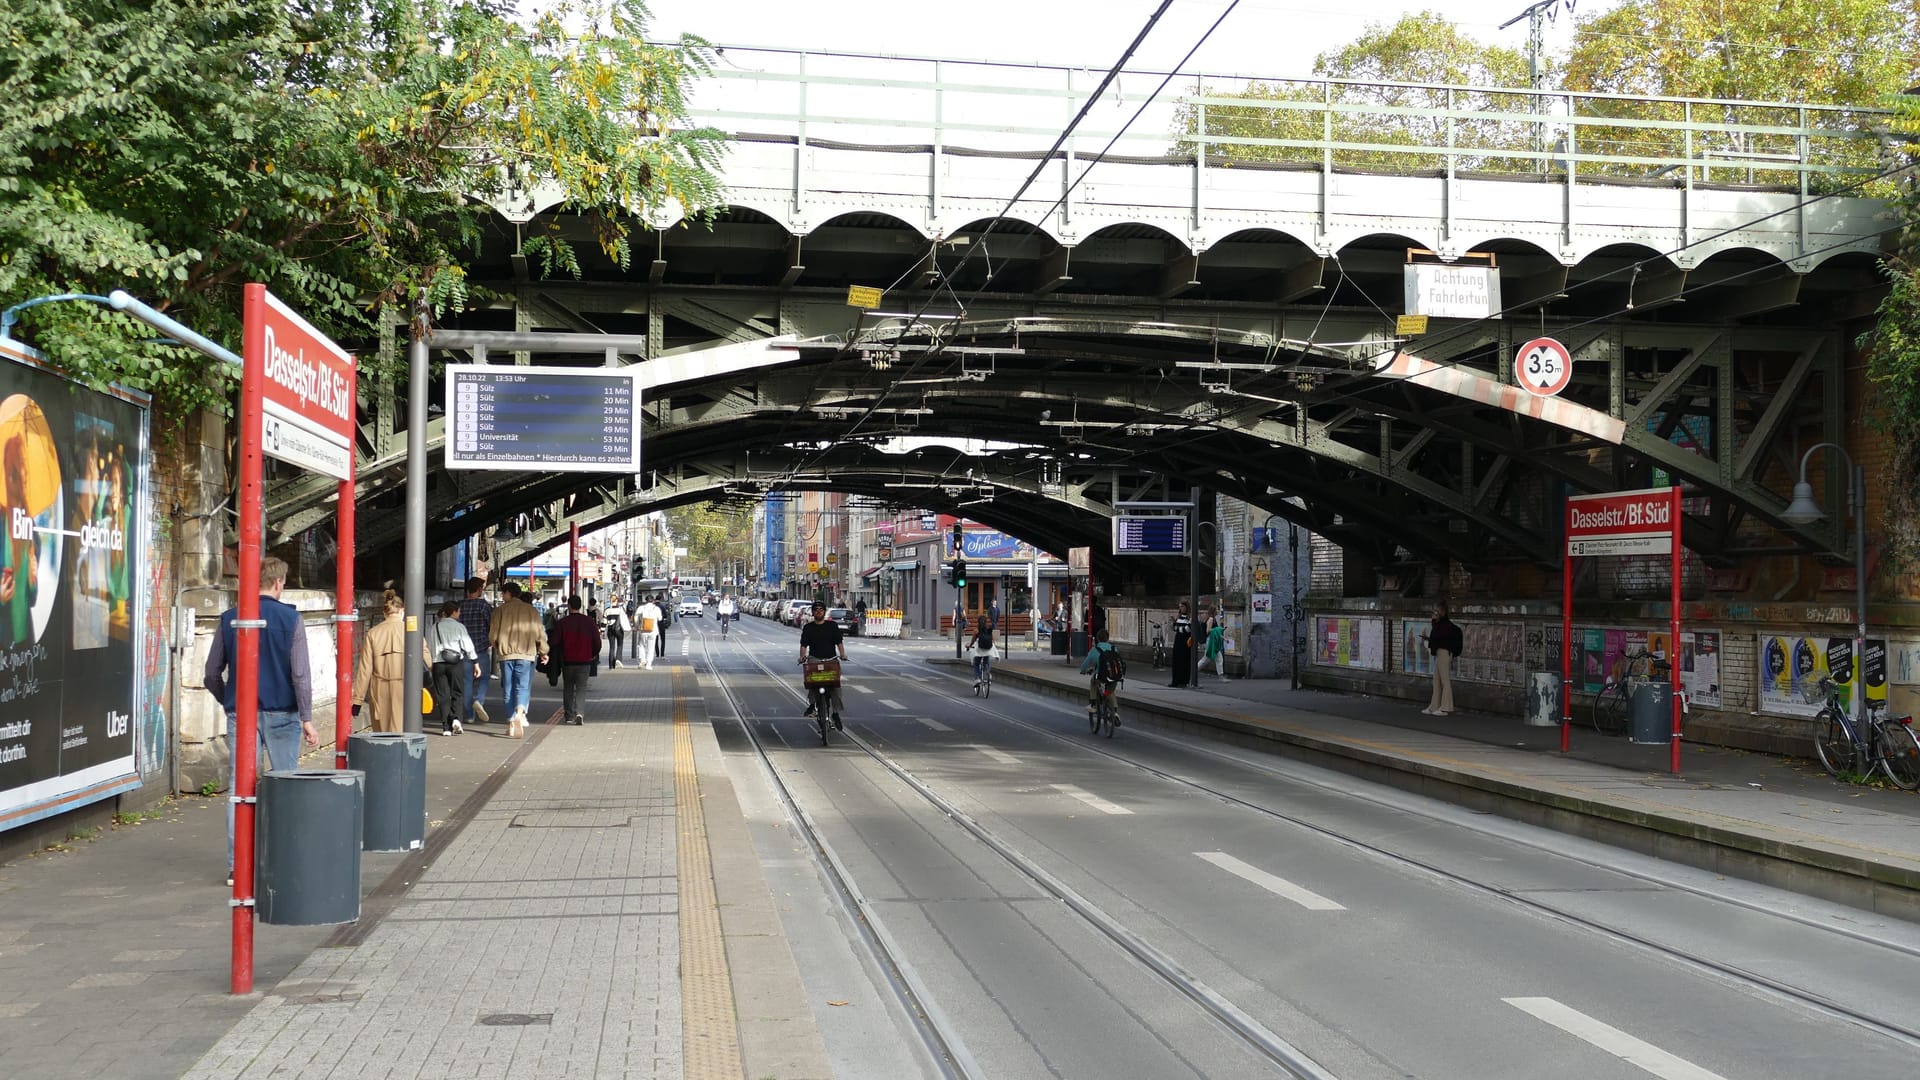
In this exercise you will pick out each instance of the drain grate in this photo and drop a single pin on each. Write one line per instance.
(515, 1019)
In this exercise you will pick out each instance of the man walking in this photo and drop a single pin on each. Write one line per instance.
(477, 616)
(284, 690)
(617, 627)
(649, 634)
(666, 620)
(578, 643)
(518, 639)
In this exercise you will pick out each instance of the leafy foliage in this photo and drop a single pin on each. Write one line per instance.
(1892, 349)
(1350, 105)
(334, 149)
(712, 536)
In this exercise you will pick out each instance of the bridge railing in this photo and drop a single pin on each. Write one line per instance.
(945, 106)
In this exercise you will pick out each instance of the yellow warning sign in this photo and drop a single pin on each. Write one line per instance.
(1410, 325)
(865, 297)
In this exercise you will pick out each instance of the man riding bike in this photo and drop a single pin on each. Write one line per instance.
(821, 639)
(1105, 671)
(726, 612)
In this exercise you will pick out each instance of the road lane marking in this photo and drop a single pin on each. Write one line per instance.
(1004, 759)
(892, 704)
(1278, 886)
(1611, 1039)
(932, 723)
(1091, 799)
(863, 689)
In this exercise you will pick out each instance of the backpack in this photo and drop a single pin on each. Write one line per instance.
(1111, 667)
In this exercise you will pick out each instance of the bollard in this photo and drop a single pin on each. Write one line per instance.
(307, 847)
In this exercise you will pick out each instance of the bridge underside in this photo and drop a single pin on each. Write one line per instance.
(1136, 371)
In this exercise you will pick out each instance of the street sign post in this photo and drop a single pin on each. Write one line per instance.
(1644, 522)
(298, 385)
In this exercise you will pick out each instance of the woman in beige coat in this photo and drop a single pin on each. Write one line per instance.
(380, 675)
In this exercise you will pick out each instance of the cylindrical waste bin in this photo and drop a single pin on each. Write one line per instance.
(396, 766)
(1650, 712)
(1077, 645)
(306, 855)
(1059, 640)
(1543, 699)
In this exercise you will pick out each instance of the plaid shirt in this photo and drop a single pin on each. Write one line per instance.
(477, 616)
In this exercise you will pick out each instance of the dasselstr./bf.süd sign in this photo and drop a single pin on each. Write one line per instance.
(1623, 522)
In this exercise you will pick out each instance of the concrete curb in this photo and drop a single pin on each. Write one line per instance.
(1844, 874)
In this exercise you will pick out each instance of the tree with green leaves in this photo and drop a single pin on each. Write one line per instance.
(713, 536)
(339, 151)
(1349, 102)
(1823, 52)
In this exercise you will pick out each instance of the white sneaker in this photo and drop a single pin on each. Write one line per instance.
(457, 729)
(1427, 712)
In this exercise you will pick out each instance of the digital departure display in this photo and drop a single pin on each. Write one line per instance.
(550, 419)
(1159, 535)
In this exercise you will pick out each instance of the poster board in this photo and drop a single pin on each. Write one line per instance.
(1346, 641)
(1599, 654)
(73, 500)
(1790, 667)
(1492, 652)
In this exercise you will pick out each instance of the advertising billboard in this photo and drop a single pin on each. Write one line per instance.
(73, 464)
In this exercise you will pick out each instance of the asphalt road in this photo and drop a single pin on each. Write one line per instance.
(1153, 906)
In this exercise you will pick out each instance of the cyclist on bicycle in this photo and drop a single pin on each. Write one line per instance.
(981, 649)
(821, 640)
(1104, 664)
(726, 613)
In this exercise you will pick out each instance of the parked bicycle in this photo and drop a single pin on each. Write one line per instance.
(1886, 743)
(1610, 705)
(1160, 653)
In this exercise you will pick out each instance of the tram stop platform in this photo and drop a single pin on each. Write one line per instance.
(590, 902)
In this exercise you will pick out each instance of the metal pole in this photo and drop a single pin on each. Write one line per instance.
(1859, 597)
(573, 559)
(1293, 611)
(416, 575)
(1566, 631)
(1193, 584)
(1673, 633)
(246, 662)
(343, 618)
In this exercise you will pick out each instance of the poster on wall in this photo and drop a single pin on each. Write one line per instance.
(1791, 667)
(1260, 575)
(1602, 655)
(72, 494)
(1343, 641)
(1491, 652)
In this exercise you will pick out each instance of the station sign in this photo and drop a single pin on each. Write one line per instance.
(503, 416)
(1543, 367)
(307, 393)
(1161, 534)
(1623, 522)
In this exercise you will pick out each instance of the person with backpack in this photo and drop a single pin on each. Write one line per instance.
(648, 616)
(982, 650)
(1108, 669)
(1215, 656)
(1444, 640)
(1182, 646)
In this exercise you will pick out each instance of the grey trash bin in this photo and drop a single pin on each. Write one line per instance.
(396, 766)
(306, 855)
(1650, 713)
(1059, 642)
(1543, 699)
(1078, 643)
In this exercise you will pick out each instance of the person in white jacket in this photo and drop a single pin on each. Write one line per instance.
(649, 630)
(618, 627)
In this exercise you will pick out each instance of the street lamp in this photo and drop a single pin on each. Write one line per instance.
(1804, 511)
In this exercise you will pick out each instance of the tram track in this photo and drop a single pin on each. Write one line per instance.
(946, 1046)
(1751, 980)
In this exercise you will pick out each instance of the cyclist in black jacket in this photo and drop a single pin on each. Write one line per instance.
(821, 639)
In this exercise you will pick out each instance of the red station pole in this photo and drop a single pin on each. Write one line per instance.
(344, 614)
(573, 560)
(1566, 634)
(1673, 642)
(246, 661)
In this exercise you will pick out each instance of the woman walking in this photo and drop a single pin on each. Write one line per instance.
(1182, 646)
(380, 675)
(454, 656)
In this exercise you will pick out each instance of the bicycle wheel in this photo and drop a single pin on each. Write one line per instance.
(1831, 744)
(986, 682)
(1109, 717)
(1093, 718)
(1159, 656)
(1610, 710)
(1900, 758)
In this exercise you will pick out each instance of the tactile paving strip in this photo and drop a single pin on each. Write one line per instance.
(709, 1029)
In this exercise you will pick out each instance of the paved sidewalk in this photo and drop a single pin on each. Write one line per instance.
(1772, 819)
(564, 919)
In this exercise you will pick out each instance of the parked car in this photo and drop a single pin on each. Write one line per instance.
(795, 612)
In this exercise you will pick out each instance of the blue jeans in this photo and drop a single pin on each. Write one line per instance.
(280, 738)
(474, 688)
(516, 684)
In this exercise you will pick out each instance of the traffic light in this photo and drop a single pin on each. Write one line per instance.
(959, 573)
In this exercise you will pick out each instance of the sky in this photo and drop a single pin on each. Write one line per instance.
(1261, 38)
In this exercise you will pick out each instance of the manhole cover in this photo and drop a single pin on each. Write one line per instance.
(515, 1019)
